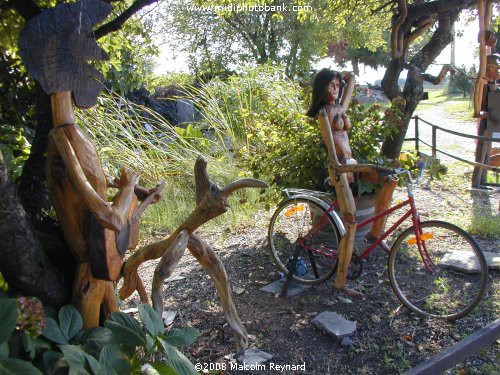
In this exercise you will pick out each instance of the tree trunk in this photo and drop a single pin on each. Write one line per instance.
(413, 90)
(355, 66)
(23, 262)
(33, 190)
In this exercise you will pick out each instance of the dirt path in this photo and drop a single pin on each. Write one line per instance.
(456, 145)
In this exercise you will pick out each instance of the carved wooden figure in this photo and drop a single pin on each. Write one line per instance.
(211, 201)
(54, 47)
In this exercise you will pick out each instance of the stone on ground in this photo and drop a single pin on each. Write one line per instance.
(253, 356)
(168, 316)
(467, 262)
(277, 286)
(334, 324)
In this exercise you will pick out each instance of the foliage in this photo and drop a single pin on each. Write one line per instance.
(16, 112)
(218, 34)
(462, 80)
(131, 52)
(117, 129)
(369, 129)
(121, 347)
(15, 149)
(261, 112)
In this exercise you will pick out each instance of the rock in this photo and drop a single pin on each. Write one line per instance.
(277, 286)
(466, 261)
(169, 316)
(174, 277)
(346, 341)
(253, 357)
(334, 324)
(130, 310)
(239, 291)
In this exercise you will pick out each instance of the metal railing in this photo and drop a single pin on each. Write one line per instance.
(435, 149)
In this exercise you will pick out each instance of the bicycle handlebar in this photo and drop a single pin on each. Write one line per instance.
(379, 170)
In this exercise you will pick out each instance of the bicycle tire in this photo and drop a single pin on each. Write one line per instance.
(449, 292)
(292, 220)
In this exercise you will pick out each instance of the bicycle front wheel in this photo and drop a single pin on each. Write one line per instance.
(445, 278)
(303, 224)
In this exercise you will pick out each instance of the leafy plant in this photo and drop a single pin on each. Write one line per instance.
(122, 346)
(159, 151)
(15, 149)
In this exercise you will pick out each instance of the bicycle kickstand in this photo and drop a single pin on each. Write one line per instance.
(291, 270)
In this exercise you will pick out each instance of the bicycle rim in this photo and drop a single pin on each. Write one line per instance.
(300, 218)
(447, 279)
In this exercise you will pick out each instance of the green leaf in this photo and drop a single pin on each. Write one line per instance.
(152, 322)
(75, 357)
(95, 366)
(163, 369)
(181, 336)
(150, 342)
(53, 332)
(70, 321)
(33, 345)
(177, 360)
(94, 339)
(111, 358)
(126, 330)
(8, 318)
(4, 350)
(12, 366)
(53, 361)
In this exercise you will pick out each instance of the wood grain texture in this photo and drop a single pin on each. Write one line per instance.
(211, 201)
(56, 44)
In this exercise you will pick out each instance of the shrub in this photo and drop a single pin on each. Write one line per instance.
(261, 112)
(122, 346)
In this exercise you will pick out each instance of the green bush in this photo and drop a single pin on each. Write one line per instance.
(58, 344)
(261, 113)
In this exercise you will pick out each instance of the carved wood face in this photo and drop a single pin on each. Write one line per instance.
(56, 44)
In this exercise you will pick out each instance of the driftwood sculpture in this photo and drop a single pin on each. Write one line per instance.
(211, 201)
(54, 47)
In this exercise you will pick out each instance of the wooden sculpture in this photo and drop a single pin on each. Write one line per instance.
(211, 201)
(54, 47)
(486, 40)
(329, 104)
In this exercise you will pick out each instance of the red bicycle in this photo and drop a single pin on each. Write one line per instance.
(422, 266)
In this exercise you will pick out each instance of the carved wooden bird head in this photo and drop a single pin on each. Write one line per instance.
(211, 200)
(56, 45)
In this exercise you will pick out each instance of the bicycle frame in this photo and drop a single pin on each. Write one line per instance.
(412, 211)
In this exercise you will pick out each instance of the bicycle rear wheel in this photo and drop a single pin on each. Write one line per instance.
(302, 223)
(439, 287)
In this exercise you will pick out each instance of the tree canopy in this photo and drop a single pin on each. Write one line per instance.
(218, 34)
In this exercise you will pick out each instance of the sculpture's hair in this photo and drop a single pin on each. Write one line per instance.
(321, 82)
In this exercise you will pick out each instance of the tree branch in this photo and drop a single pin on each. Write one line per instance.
(396, 33)
(435, 80)
(422, 26)
(26, 8)
(118, 22)
(420, 10)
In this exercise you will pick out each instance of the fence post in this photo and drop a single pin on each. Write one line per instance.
(416, 136)
(434, 141)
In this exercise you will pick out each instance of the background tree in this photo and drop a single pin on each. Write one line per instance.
(32, 244)
(219, 37)
(463, 80)
(409, 21)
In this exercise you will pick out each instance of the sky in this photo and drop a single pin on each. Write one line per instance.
(466, 54)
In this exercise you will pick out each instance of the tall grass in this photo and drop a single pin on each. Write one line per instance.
(126, 134)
